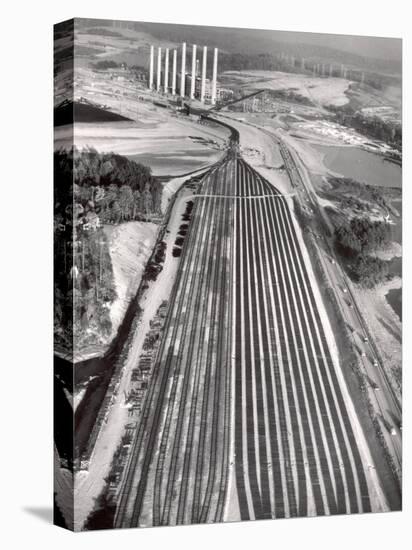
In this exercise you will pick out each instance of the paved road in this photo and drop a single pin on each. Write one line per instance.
(244, 387)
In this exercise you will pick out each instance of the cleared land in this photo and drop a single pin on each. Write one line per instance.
(325, 91)
(130, 246)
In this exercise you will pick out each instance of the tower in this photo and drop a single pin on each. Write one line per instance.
(159, 67)
(174, 72)
(214, 77)
(166, 77)
(183, 73)
(193, 81)
(204, 62)
(151, 67)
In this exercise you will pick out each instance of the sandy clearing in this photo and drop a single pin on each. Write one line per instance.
(130, 246)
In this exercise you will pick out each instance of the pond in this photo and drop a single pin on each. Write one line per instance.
(361, 165)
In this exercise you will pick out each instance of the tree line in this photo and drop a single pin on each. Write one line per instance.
(113, 187)
(375, 127)
(355, 241)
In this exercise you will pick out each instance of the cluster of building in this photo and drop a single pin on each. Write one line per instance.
(194, 85)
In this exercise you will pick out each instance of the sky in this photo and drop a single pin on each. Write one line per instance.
(389, 49)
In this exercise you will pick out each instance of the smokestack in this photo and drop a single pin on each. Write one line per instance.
(202, 91)
(159, 67)
(214, 77)
(166, 79)
(183, 74)
(151, 67)
(193, 81)
(174, 72)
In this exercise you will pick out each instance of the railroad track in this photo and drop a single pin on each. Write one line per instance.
(158, 378)
(158, 513)
(221, 374)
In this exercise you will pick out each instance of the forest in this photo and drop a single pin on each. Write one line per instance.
(374, 127)
(355, 241)
(361, 236)
(92, 189)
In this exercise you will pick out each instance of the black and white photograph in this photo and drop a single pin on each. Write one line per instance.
(227, 274)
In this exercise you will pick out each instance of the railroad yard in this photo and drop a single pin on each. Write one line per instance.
(246, 410)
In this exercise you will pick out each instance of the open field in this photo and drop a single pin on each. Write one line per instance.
(323, 91)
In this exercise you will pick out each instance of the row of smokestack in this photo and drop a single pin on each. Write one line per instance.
(182, 90)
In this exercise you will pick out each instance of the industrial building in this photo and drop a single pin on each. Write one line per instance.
(172, 78)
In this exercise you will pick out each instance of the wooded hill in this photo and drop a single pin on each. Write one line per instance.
(92, 189)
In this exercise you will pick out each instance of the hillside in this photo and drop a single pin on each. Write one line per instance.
(106, 189)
